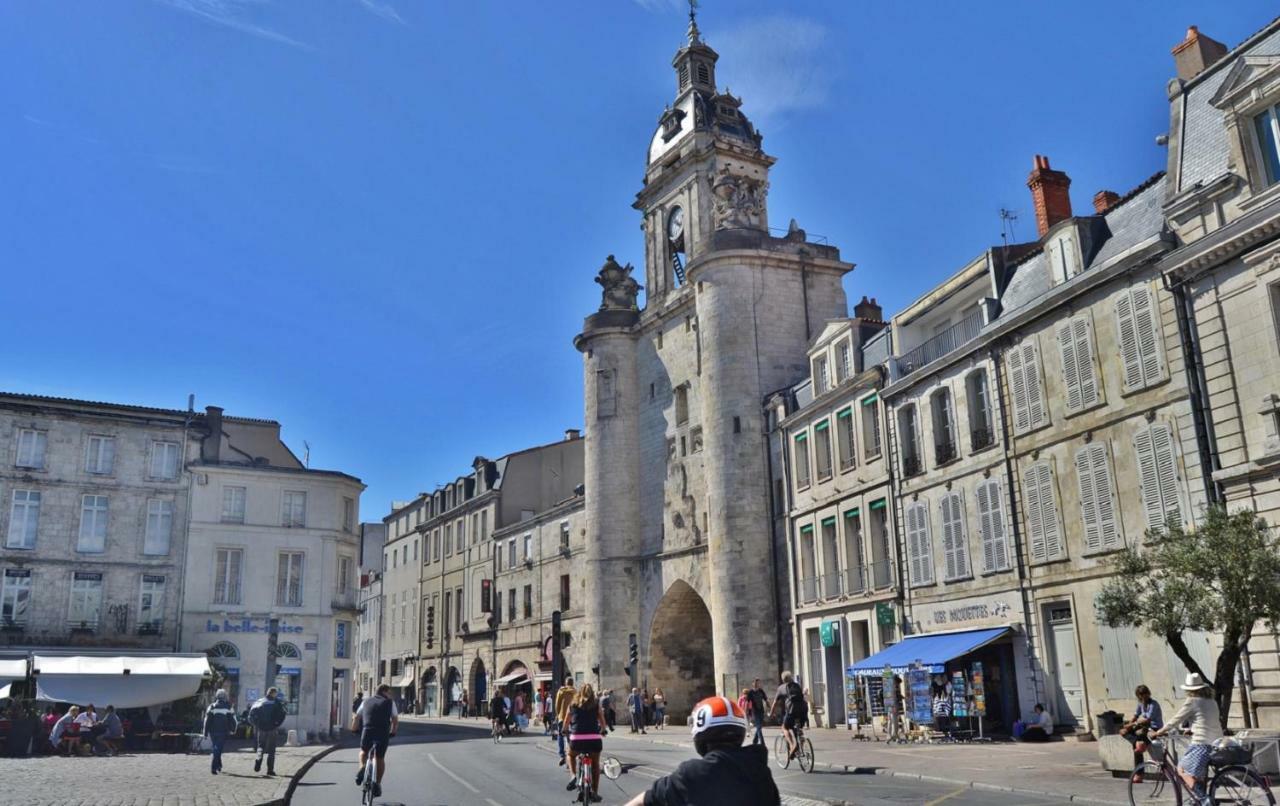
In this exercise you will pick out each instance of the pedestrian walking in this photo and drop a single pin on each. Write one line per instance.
(759, 703)
(606, 705)
(462, 711)
(635, 707)
(355, 704)
(266, 715)
(564, 698)
(659, 708)
(219, 723)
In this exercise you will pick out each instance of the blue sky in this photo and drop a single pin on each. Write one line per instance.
(377, 221)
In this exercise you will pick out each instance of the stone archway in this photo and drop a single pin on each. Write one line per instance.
(681, 656)
(431, 692)
(479, 687)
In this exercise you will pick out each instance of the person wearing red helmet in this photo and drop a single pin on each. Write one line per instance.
(727, 772)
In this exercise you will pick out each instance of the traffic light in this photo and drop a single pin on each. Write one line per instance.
(633, 656)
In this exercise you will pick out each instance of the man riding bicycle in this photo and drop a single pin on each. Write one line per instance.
(377, 719)
(727, 772)
(795, 710)
(498, 711)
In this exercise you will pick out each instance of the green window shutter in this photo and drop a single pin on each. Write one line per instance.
(852, 513)
(801, 437)
(806, 529)
(829, 521)
(870, 401)
(846, 412)
(822, 426)
(878, 504)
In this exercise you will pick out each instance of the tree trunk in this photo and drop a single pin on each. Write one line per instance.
(1224, 679)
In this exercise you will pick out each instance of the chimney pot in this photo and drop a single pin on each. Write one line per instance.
(1196, 53)
(211, 447)
(1050, 193)
(570, 434)
(1104, 200)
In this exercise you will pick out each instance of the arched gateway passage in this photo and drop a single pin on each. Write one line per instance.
(681, 660)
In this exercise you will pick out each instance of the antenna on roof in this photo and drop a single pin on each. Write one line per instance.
(1007, 217)
(306, 454)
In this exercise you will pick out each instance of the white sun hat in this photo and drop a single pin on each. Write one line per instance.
(1194, 682)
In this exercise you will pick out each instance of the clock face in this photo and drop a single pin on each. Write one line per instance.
(675, 223)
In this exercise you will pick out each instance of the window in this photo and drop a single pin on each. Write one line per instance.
(564, 534)
(289, 579)
(448, 611)
(821, 376)
(100, 455)
(995, 541)
(684, 75)
(682, 404)
(151, 605)
(1024, 381)
(435, 549)
(342, 639)
(1157, 475)
(704, 73)
(159, 527)
(484, 524)
(1139, 339)
(800, 457)
(86, 600)
(511, 605)
(31, 445)
(344, 574)
(294, 509)
(856, 577)
(528, 601)
(1097, 507)
(457, 611)
(955, 539)
(348, 514)
(511, 553)
(822, 449)
(919, 545)
(24, 519)
(1075, 343)
(15, 597)
(499, 557)
(1267, 128)
(448, 539)
(528, 547)
(944, 426)
(981, 434)
(164, 460)
(564, 592)
(233, 504)
(1041, 506)
(844, 361)
(844, 438)
(909, 440)
(871, 427)
(93, 523)
(460, 535)
(497, 607)
(415, 549)
(226, 575)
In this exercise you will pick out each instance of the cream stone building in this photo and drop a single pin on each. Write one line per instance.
(400, 588)
(1222, 201)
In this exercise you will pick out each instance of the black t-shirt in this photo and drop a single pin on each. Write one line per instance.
(758, 701)
(376, 713)
(739, 776)
(497, 707)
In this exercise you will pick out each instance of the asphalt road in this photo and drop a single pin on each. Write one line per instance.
(447, 765)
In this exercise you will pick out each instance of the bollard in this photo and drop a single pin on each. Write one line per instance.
(292, 741)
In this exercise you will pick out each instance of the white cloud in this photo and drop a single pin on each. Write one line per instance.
(381, 9)
(776, 64)
(234, 14)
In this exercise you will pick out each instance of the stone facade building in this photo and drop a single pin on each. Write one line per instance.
(369, 625)
(1222, 201)
(677, 508)
(400, 585)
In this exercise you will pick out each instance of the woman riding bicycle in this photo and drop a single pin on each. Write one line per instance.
(586, 736)
(1201, 711)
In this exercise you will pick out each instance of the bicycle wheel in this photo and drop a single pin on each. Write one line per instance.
(1239, 786)
(1149, 785)
(804, 754)
(611, 767)
(780, 754)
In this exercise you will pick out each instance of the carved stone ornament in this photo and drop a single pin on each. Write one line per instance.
(738, 201)
(620, 288)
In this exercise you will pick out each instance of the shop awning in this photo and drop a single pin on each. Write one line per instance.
(932, 650)
(12, 669)
(541, 676)
(125, 681)
(514, 677)
(403, 680)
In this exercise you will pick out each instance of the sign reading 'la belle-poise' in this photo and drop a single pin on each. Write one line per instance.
(248, 625)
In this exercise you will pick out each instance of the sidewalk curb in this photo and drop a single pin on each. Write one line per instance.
(297, 776)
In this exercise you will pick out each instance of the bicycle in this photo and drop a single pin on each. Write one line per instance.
(1233, 781)
(609, 765)
(496, 730)
(370, 774)
(804, 750)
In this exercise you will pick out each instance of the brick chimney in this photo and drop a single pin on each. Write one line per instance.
(1193, 55)
(211, 447)
(1104, 200)
(868, 309)
(1049, 194)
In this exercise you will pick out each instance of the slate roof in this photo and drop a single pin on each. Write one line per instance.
(1204, 139)
(1132, 220)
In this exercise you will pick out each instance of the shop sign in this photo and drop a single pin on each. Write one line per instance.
(828, 633)
(884, 614)
(248, 625)
(970, 612)
(311, 645)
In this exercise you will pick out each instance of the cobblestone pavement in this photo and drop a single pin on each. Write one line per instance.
(148, 779)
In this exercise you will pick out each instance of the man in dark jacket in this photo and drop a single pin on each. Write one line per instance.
(266, 716)
(219, 722)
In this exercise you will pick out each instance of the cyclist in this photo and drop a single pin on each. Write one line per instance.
(586, 736)
(727, 772)
(1201, 711)
(498, 711)
(795, 710)
(377, 720)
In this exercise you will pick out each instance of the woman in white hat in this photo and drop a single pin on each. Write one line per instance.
(1201, 711)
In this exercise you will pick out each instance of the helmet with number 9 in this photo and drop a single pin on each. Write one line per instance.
(717, 722)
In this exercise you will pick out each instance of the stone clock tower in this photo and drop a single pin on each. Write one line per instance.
(677, 486)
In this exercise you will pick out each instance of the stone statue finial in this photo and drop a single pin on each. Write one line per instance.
(620, 288)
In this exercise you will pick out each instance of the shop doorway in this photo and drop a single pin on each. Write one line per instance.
(430, 692)
(833, 674)
(681, 660)
(479, 688)
(1064, 660)
(453, 691)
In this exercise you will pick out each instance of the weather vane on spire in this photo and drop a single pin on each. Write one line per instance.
(693, 22)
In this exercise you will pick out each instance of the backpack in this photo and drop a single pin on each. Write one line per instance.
(797, 707)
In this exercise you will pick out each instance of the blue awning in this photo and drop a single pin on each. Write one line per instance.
(932, 650)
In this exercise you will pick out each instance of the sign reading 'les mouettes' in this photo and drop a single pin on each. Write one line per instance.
(993, 609)
(248, 625)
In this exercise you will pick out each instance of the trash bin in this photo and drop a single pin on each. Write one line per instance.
(1109, 723)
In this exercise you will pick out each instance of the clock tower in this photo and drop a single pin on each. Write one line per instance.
(680, 544)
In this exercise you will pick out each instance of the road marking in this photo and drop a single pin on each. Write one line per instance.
(947, 796)
(453, 775)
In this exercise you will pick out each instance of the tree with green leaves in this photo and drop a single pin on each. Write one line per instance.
(1221, 576)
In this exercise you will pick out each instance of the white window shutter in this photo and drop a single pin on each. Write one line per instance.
(1144, 317)
(1088, 500)
(1082, 335)
(1148, 479)
(1107, 528)
(1035, 400)
(1166, 471)
(1018, 385)
(1127, 333)
(1049, 520)
(922, 550)
(1035, 515)
(1070, 364)
(995, 547)
(948, 538)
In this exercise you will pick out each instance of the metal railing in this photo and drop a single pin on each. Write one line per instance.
(855, 579)
(911, 466)
(882, 574)
(809, 590)
(831, 587)
(960, 333)
(944, 452)
(150, 627)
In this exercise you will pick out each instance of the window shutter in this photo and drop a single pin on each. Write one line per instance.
(1070, 365)
(1107, 532)
(949, 526)
(1148, 479)
(1082, 335)
(918, 543)
(1035, 515)
(1166, 470)
(1088, 501)
(1049, 520)
(995, 549)
(1144, 317)
(1035, 401)
(1018, 385)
